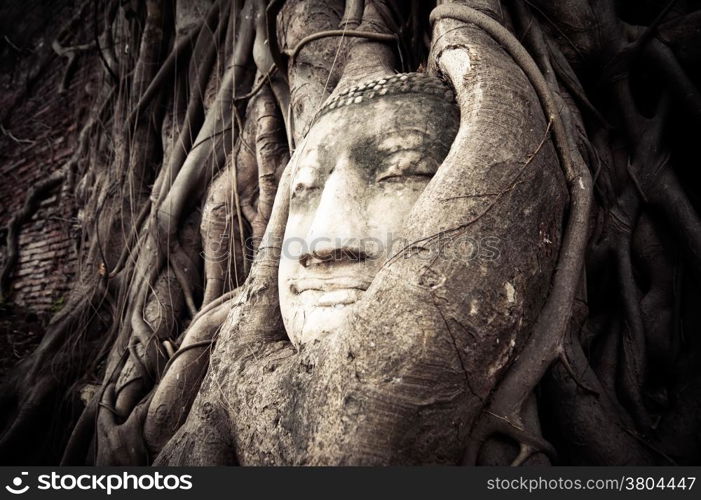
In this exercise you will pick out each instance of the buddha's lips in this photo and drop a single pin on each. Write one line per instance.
(329, 284)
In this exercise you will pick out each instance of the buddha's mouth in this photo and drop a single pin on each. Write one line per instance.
(337, 291)
(326, 284)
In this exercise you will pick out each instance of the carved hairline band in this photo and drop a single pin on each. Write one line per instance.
(399, 84)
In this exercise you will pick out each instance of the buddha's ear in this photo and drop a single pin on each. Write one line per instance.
(255, 316)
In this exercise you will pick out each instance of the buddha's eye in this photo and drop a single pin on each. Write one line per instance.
(411, 165)
(388, 177)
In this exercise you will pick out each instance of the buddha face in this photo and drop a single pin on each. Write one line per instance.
(355, 178)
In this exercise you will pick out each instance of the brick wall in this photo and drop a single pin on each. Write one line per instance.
(40, 132)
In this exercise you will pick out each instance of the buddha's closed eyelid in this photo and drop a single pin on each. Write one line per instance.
(408, 163)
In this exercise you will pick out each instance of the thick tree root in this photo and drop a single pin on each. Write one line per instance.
(545, 343)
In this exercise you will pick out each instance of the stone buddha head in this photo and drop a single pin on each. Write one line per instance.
(370, 153)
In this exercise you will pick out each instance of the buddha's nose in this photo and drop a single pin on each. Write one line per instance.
(338, 230)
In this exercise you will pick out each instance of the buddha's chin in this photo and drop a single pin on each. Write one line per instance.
(321, 314)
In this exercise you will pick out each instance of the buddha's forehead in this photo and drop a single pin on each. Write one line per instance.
(401, 119)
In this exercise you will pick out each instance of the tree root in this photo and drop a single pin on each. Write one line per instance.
(529, 443)
(545, 342)
(368, 35)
